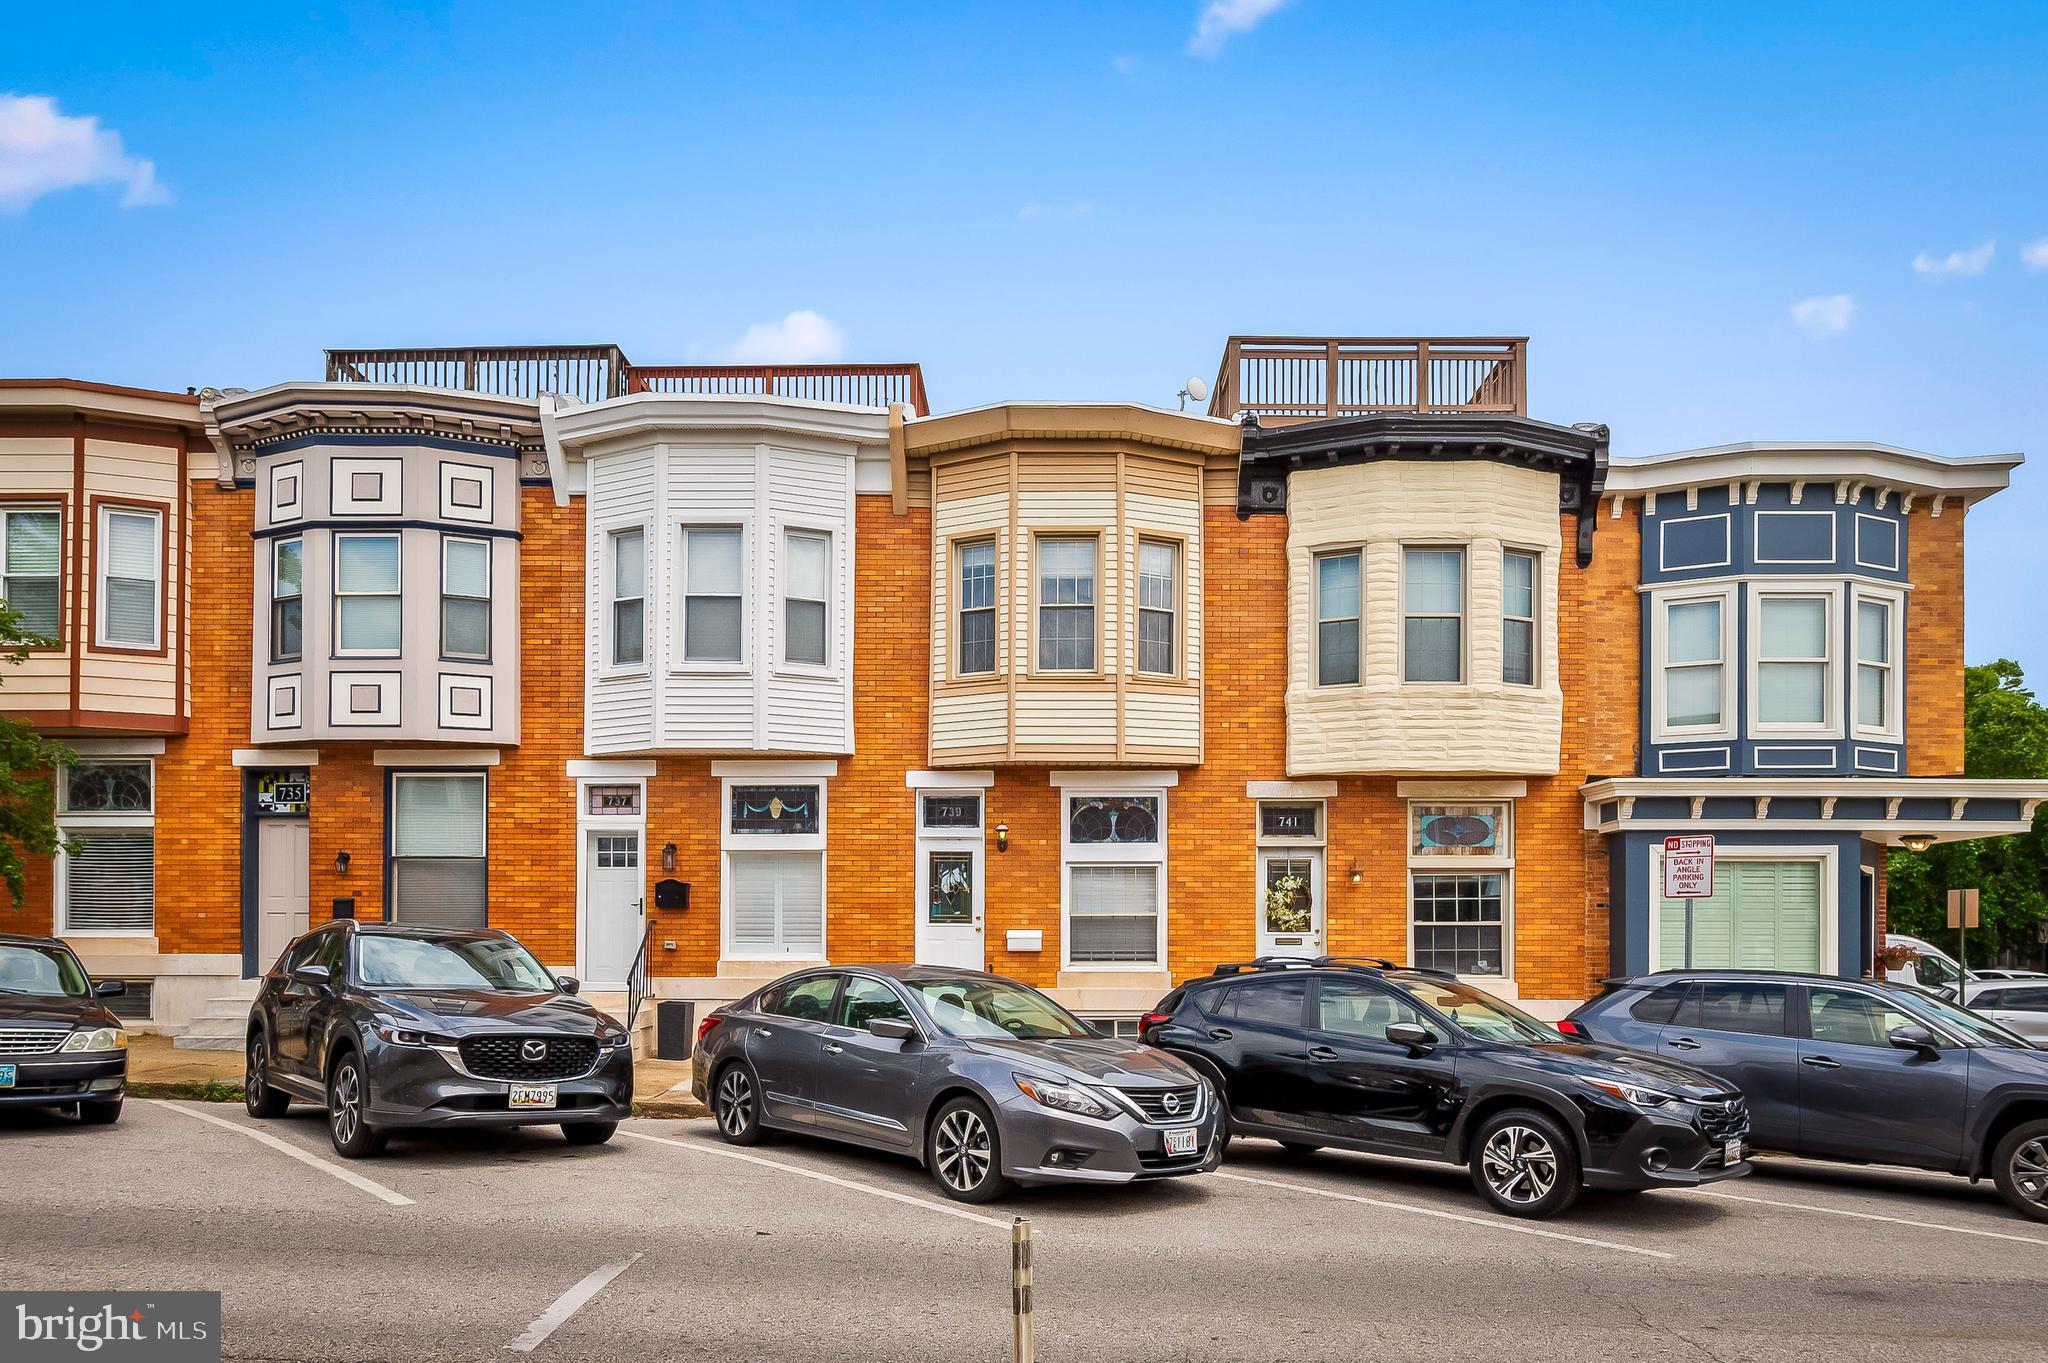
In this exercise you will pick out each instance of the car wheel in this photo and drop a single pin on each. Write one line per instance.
(348, 1100)
(1525, 1164)
(258, 1095)
(964, 1153)
(1299, 1149)
(588, 1133)
(100, 1114)
(2020, 1168)
(736, 1103)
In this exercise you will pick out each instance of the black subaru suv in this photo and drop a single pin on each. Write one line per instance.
(59, 1046)
(390, 1026)
(1359, 1054)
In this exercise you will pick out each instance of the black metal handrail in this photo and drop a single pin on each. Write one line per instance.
(636, 980)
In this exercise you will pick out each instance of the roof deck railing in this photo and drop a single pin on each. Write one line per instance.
(1288, 379)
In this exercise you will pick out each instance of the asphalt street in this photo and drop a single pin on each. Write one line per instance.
(667, 1244)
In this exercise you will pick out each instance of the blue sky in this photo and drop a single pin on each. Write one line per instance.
(1748, 222)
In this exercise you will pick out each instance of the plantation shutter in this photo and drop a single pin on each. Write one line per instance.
(1113, 913)
(130, 557)
(1763, 915)
(110, 881)
(778, 903)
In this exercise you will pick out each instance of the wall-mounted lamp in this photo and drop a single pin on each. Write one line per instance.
(1357, 872)
(668, 856)
(1002, 837)
(341, 863)
(1917, 842)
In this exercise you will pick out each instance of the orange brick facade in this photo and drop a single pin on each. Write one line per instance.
(1934, 643)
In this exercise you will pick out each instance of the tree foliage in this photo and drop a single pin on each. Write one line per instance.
(2005, 735)
(28, 824)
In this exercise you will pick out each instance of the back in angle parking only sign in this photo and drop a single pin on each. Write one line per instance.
(1689, 867)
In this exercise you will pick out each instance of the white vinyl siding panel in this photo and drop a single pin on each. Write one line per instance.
(618, 711)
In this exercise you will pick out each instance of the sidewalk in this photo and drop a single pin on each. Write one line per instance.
(156, 1069)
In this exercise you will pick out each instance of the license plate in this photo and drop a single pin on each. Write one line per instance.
(1731, 1152)
(6, 1076)
(533, 1095)
(1180, 1141)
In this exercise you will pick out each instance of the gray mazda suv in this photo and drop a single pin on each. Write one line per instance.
(985, 1081)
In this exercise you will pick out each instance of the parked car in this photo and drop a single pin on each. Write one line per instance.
(59, 1046)
(985, 1081)
(1932, 968)
(1857, 1070)
(2001, 973)
(1361, 1055)
(2016, 1002)
(391, 1027)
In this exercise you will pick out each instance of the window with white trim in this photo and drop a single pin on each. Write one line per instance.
(1794, 659)
(1159, 607)
(976, 642)
(1877, 673)
(628, 555)
(287, 599)
(1461, 861)
(1519, 585)
(130, 581)
(806, 597)
(714, 594)
(1066, 604)
(437, 849)
(1695, 664)
(465, 598)
(1114, 853)
(1338, 602)
(1432, 614)
(106, 879)
(34, 550)
(774, 839)
(366, 599)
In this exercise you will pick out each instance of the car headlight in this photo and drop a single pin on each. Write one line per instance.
(407, 1036)
(1636, 1095)
(89, 1039)
(1063, 1097)
(615, 1039)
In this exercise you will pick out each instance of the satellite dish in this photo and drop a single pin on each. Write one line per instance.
(1195, 389)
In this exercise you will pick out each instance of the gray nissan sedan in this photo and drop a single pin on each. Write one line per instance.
(985, 1081)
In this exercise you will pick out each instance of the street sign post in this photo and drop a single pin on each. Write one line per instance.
(1689, 867)
(1962, 916)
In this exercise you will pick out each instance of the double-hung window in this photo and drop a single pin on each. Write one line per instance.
(1461, 861)
(714, 594)
(366, 599)
(1877, 673)
(1793, 659)
(130, 585)
(1159, 607)
(1066, 604)
(806, 597)
(465, 598)
(977, 608)
(1695, 665)
(1433, 615)
(1518, 618)
(106, 879)
(1337, 618)
(437, 849)
(34, 565)
(628, 551)
(287, 599)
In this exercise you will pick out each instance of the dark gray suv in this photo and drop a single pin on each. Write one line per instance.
(986, 1081)
(1849, 1069)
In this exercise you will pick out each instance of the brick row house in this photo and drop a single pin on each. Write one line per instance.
(692, 675)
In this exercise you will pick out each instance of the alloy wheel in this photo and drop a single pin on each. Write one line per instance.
(2030, 1170)
(735, 1102)
(252, 1082)
(348, 1104)
(962, 1148)
(1519, 1165)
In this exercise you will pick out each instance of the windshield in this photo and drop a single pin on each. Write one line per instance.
(1483, 1015)
(46, 970)
(498, 964)
(996, 1010)
(1974, 1028)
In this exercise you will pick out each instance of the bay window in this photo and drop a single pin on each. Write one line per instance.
(1337, 618)
(465, 598)
(34, 549)
(366, 599)
(806, 597)
(1518, 618)
(1433, 615)
(130, 586)
(1877, 673)
(1158, 607)
(714, 594)
(976, 642)
(628, 597)
(1794, 660)
(1066, 604)
(1695, 664)
(287, 600)
(1114, 850)
(437, 849)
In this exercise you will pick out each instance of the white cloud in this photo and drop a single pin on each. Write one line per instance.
(803, 337)
(1221, 19)
(2034, 255)
(1825, 314)
(1956, 264)
(43, 151)
(1124, 64)
(1080, 208)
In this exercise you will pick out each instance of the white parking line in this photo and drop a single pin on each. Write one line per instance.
(703, 1148)
(1870, 1216)
(568, 1304)
(1486, 1222)
(348, 1176)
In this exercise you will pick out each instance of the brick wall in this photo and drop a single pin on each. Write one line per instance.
(1934, 642)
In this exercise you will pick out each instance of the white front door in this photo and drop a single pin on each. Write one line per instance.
(614, 891)
(281, 877)
(949, 911)
(1293, 927)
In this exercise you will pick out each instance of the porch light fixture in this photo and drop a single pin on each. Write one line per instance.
(1002, 837)
(341, 863)
(1357, 872)
(668, 856)
(1916, 842)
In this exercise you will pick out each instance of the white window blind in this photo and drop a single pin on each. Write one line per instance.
(1158, 607)
(1113, 913)
(437, 816)
(1337, 619)
(629, 597)
(1692, 672)
(366, 593)
(466, 598)
(110, 881)
(714, 578)
(806, 577)
(33, 552)
(1792, 674)
(128, 613)
(778, 903)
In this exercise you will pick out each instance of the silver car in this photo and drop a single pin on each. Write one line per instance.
(985, 1081)
(2019, 1005)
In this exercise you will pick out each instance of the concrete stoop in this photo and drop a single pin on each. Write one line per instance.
(224, 1026)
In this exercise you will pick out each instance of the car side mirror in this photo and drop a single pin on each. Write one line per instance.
(110, 989)
(568, 984)
(1410, 1034)
(893, 1029)
(1915, 1039)
(309, 974)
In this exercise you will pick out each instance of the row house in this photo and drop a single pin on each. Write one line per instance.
(692, 675)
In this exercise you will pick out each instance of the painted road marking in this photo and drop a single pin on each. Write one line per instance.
(1486, 1222)
(703, 1148)
(568, 1304)
(1870, 1216)
(348, 1176)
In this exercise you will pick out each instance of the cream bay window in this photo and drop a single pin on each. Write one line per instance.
(366, 599)
(106, 879)
(1159, 608)
(976, 639)
(1432, 615)
(1794, 660)
(806, 598)
(714, 594)
(1114, 850)
(437, 849)
(1338, 605)
(628, 551)
(130, 585)
(34, 565)
(1066, 604)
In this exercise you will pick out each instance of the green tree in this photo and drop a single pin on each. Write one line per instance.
(2005, 735)
(28, 824)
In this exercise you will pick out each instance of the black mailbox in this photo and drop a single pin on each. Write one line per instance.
(671, 894)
